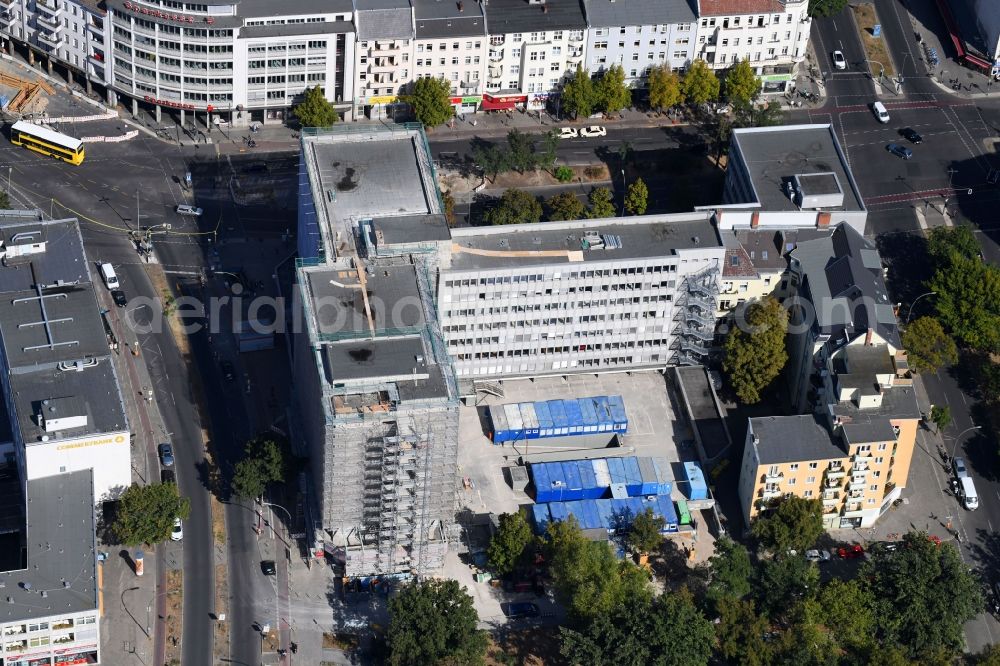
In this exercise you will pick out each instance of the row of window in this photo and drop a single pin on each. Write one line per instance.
(572, 275)
(443, 46)
(734, 22)
(292, 21)
(429, 62)
(294, 46)
(639, 29)
(316, 77)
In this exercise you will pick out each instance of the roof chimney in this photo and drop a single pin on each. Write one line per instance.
(545, 9)
(755, 219)
(822, 220)
(868, 338)
(461, 6)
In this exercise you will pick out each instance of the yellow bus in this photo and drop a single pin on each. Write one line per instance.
(47, 142)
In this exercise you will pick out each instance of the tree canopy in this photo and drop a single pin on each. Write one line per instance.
(507, 547)
(263, 463)
(565, 206)
(4, 200)
(644, 533)
(521, 151)
(611, 92)
(515, 207)
(315, 110)
(664, 88)
(742, 85)
(826, 7)
(731, 570)
(940, 416)
(578, 95)
(793, 523)
(754, 351)
(493, 159)
(145, 514)
(847, 610)
(968, 301)
(602, 203)
(433, 622)
(431, 100)
(928, 346)
(637, 197)
(741, 632)
(943, 241)
(700, 84)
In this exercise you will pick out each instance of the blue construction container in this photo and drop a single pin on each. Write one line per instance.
(574, 417)
(588, 412)
(605, 512)
(514, 423)
(602, 476)
(574, 484)
(528, 419)
(650, 477)
(618, 415)
(501, 432)
(549, 482)
(697, 488)
(665, 508)
(603, 412)
(540, 517)
(545, 426)
(616, 467)
(558, 511)
(633, 477)
(592, 490)
(664, 475)
(591, 514)
(557, 410)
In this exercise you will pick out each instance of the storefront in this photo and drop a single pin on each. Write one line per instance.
(386, 107)
(538, 101)
(503, 102)
(465, 104)
(776, 83)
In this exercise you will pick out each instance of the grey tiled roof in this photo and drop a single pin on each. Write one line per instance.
(612, 13)
(384, 19)
(787, 439)
(510, 16)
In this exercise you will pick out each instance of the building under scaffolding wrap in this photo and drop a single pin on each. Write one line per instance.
(375, 389)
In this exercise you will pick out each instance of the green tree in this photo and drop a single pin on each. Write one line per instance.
(515, 207)
(805, 642)
(637, 197)
(989, 380)
(700, 84)
(431, 100)
(491, 158)
(587, 577)
(741, 631)
(4, 201)
(780, 583)
(990, 656)
(826, 7)
(565, 206)
(546, 157)
(928, 346)
(508, 545)
(923, 594)
(742, 85)
(602, 203)
(669, 631)
(644, 533)
(612, 93)
(754, 352)
(146, 514)
(793, 523)
(941, 417)
(434, 622)
(943, 241)
(968, 300)
(578, 95)
(449, 207)
(521, 151)
(730, 570)
(315, 110)
(564, 174)
(847, 611)
(664, 88)
(262, 463)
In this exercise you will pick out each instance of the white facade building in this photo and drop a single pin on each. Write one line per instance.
(451, 45)
(639, 34)
(772, 34)
(532, 47)
(384, 55)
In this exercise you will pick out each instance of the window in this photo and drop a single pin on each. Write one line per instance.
(879, 460)
(794, 467)
(807, 494)
(873, 487)
(882, 446)
(813, 465)
(773, 471)
(810, 480)
(791, 482)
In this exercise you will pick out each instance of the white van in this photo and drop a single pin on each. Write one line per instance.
(878, 108)
(967, 490)
(108, 273)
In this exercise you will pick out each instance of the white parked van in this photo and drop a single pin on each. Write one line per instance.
(878, 108)
(108, 273)
(970, 498)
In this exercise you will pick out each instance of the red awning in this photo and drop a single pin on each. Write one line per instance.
(976, 61)
(498, 104)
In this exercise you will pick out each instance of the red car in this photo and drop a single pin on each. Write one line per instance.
(850, 552)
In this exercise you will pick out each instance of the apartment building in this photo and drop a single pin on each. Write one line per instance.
(771, 34)
(61, 392)
(451, 45)
(639, 34)
(533, 45)
(580, 296)
(853, 453)
(383, 57)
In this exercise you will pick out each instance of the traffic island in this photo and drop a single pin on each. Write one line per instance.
(174, 615)
(879, 61)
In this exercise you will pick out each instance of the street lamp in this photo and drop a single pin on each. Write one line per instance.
(624, 192)
(146, 629)
(958, 439)
(910, 312)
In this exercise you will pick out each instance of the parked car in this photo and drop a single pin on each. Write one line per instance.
(177, 533)
(910, 135)
(267, 568)
(881, 113)
(228, 371)
(118, 296)
(517, 609)
(166, 454)
(167, 476)
(568, 133)
(899, 151)
(851, 552)
(818, 555)
(885, 546)
(958, 464)
(839, 61)
(184, 209)
(593, 130)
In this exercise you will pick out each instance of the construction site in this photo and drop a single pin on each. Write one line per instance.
(21, 97)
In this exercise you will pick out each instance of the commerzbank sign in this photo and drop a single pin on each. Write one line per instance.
(97, 441)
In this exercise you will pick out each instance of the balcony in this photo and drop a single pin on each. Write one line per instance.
(497, 41)
(470, 86)
(496, 55)
(49, 23)
(388, 47)
(856, 485)
(770, 477)
(576, 37)
(49, 8)
(495, 73)
(48, 39)
(7, 16)
(836, 473)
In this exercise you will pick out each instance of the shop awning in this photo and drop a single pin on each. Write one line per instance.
(498, 104)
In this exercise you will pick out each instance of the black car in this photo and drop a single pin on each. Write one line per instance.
(167, 476)
(119, 298)
(899, 151)
(228, 371)
(910, 135)
(519, 609)
(267, 567)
